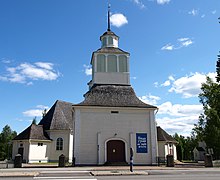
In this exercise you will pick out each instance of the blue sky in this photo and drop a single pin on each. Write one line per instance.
(46, 47)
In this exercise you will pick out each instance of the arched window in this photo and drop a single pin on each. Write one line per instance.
(59, 144)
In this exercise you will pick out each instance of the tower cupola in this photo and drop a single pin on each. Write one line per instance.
(110, 64)
(109, 39)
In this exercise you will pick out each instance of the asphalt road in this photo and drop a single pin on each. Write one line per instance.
(193, 174)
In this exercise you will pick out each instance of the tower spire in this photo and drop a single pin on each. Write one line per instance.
(109, 29)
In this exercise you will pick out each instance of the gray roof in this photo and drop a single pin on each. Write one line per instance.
(59, 117)
(113, 96)
(164, 136)
(33, 132)
(111, 50)
(109, 33)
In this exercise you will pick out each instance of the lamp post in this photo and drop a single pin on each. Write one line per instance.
(8, 154)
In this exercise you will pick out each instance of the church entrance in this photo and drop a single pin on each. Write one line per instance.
(115, 151)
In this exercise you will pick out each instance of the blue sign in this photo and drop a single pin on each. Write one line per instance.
(141, 142)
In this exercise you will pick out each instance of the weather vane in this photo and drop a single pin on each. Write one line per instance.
(109, 29)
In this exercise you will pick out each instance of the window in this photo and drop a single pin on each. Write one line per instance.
(40, 144)
(112, 63)
(110, 40)
(59, 145)
(104, 41)
(123, 64)
(100, 63)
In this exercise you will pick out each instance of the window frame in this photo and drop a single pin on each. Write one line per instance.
(59, 144)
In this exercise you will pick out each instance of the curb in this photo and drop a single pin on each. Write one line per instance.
(118, 173)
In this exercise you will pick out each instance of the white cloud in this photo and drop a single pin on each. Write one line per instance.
(156, 84)
(214, 12)
(193, 12)
(45, 65)
(42, 107)
(181, 42)
(168, 47)
(190, 85)
(185, 41)
(163, 1)
(25, 72)
(36, 112)
(139, 3)
(166, 83)
(118, 20)
(168, 108)
(180, 125)
(171, 78)
(203, 16)
(149, 99)
(87, 70)
(178, 118)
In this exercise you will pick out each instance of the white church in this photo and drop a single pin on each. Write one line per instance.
(102, 128)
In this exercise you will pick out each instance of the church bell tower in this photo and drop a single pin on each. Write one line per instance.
(110, 64)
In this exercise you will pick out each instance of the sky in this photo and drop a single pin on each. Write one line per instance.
(46, 48)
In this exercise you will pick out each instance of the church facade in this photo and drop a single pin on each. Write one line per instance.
(104, 127)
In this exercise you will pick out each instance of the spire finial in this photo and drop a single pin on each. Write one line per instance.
(109, 17)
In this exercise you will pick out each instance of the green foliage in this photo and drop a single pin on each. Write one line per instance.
(208, 127)
(218, 69)
(5, 142)
(185, 147)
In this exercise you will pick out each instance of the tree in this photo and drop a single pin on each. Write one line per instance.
(199, 128)
(218, 69)
(5, 142)
(208, 127)
(185, 146)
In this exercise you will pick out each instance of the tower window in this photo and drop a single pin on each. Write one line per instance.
(123, 66)
(101, 63)
(110, 40)
(59, 144)
(104, 42)
(112, 63)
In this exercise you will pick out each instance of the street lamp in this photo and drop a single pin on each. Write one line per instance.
(9, 143)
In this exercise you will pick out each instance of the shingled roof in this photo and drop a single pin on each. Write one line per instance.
(113, 96)
(59, 117)
(111, 50)
(164, 136)
(108, 33)
(33, 132)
